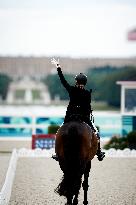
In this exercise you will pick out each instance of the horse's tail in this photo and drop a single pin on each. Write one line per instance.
(73, 166)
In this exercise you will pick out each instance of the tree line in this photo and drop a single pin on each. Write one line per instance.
(102, 81)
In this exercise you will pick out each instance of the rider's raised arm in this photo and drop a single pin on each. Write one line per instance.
(62, 79)
(61, 76)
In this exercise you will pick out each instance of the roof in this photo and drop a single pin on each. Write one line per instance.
(127, 83)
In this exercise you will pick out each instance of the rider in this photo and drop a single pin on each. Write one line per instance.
(80, 102)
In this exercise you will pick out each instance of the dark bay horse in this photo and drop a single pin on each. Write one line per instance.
(76, 145)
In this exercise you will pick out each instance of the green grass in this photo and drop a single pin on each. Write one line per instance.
(96, 106)
(103, 106)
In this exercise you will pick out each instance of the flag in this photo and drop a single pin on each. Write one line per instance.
(132, 35)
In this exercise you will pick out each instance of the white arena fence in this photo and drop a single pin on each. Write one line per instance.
(7, 187)
(23, 152)
(24, 121)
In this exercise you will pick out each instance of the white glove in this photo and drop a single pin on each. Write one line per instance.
(55, 62)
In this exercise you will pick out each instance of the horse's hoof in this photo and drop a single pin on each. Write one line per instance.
(75, 202)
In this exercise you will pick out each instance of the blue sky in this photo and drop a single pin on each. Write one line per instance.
(67, 28)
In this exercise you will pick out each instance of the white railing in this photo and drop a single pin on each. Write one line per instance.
(33, 113)
(32, 125)
(7, 187)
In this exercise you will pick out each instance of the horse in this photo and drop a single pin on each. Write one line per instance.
(76, 145)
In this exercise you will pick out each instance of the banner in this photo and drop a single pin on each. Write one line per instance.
(43, 141)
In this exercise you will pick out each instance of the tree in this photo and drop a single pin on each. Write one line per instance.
(98, 81)
(4, 85)
(56, 88)
(103, 81)
(111, 88)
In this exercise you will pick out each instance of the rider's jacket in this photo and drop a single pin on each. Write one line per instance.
(80, 99)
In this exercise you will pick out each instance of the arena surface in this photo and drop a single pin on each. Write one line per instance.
(112, 182)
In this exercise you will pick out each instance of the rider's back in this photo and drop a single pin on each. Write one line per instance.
(80, 97)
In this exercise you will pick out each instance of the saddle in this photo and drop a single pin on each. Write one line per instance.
(74, 113)
(75, 117)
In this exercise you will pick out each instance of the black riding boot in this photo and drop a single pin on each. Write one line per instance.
(100, 154)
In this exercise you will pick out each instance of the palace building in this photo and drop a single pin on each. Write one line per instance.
(41, 66)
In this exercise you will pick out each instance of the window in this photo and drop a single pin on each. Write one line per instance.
(36, 94)
(130, 99)
(20, 94)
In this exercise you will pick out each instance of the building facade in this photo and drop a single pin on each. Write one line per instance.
(28, 91)
(39, 67)
(128, 106)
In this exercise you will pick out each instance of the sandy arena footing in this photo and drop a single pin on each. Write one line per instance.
(4, 163)
(112, 182)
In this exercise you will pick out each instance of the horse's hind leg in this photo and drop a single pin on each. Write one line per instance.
(85, 183)
(75, 200)
(69, 201)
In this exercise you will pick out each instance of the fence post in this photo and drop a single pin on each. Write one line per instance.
(33, 125)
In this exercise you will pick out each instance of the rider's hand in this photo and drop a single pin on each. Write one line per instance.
(55, 62)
